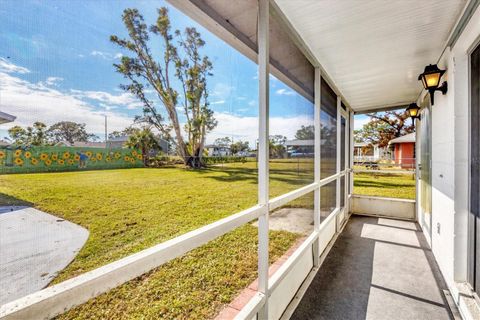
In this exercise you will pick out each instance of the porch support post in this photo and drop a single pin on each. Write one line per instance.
(339, 146)
(263, 151)
(351, 150)
(317, 164)
(346, 162)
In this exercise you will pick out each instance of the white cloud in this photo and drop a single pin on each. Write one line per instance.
(252, 103)
(124, 98)
(53, 81)
(105, 55)
(218, 102)
(31, 102)
(8, 67)
(285, 92)
(48, 83)
(246, 128)
(134, 105)
(360, 121)
(222, 91)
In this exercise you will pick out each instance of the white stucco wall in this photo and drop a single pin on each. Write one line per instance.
(450, 161)
(443, 172)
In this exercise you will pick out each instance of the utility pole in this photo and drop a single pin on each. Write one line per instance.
(106, 132)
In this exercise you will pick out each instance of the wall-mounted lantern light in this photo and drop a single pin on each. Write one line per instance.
(413, 111)
(431, 79)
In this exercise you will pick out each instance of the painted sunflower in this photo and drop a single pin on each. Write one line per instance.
(28, 154)
(54, 157)
(99, 156)
(89, 154)
(139, 157)
(134, 153)
(132, 160)
(34, 161)
(48, 162)
(66, 155)
(71, 161)
(18, 153)
(126, 158)
(43, 156)
(117, 155)
(77, 157)
(2, 154)
(108, 159)
(18, 162)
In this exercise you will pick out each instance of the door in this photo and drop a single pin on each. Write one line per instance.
(344, 151)
(474, 218)
(425, 167)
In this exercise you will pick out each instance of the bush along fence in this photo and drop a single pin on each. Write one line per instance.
(52, 158)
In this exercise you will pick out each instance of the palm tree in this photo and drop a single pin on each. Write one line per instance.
(144, 140)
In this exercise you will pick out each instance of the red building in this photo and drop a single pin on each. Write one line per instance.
(404, 150)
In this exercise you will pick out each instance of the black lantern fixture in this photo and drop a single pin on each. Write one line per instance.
(431, 79)
(413, 111)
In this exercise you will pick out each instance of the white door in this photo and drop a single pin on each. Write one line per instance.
(424, 176)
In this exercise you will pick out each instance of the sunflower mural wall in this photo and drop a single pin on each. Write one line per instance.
(44, 159)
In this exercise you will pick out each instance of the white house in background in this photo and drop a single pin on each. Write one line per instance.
(5, 117)
(300, 148)
(363, 151)
(218, 151)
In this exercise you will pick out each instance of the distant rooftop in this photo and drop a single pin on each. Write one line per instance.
(5, 117)
(81, 144)
(404, 139)
(298, 142)
(119, 139)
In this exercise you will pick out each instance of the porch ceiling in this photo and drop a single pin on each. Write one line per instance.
(374, 50)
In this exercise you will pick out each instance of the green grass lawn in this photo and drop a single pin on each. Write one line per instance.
(384, 185)
(132, 209)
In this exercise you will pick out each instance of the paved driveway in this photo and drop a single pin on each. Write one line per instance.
(34, 247)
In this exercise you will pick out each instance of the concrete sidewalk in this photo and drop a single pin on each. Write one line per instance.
(34, 247)
(377, 269)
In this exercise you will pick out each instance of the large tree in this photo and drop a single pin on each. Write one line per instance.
(277, 146)
(305, 133)
(31, 136)
(223, 142)
(125, 132)
(383, 127)
(69, 131)
(239, 146)
(178, 78)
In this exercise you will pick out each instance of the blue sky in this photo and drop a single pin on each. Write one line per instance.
(56, 64)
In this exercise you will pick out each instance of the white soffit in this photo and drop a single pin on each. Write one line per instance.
(374, 49)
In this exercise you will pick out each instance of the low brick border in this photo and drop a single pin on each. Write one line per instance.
(233, 308)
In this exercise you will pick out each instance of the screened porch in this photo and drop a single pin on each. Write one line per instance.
(360, 256)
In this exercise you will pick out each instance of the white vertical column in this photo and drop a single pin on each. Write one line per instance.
(351, 149)
(339, 146)
(347, 164)
(317, 164)
(263, 103)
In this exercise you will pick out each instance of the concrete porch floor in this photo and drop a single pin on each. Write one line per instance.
(377, 269)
